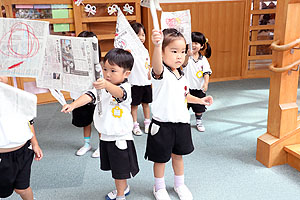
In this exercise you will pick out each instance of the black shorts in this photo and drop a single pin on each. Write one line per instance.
(197, 108)
(83, 116)
(122, 163)
(141, 94)
(171, 138)
(15, 169)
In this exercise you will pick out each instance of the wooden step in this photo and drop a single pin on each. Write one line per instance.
(293, 155)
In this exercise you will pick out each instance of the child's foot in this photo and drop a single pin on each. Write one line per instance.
(96, 153)
(113, 195)
(136, 130)
(161, 194)
(147, 124)
(83, 150)
(183, 192)
(200, 126)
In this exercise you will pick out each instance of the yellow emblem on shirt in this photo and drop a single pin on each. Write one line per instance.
(199, 74)
(117, 112)
(147, 65)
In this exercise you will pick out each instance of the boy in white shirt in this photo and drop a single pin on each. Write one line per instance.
(17, 148)
(117, 151)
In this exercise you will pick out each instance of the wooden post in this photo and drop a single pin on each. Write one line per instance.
(283, 110)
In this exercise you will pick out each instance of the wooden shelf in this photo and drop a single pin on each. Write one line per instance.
(105, 19)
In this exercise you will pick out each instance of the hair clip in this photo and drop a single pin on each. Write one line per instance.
(128, 9)
(90, 9)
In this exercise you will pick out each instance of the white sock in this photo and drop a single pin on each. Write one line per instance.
(178, 181)
(159, 183)
(121, 197)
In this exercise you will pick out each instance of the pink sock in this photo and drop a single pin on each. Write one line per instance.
(178, 181)
(159, 183)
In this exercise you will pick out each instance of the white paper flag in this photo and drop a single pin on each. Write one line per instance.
(180, 20)
(127, 39)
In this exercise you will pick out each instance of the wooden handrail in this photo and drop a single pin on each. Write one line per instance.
(276, 47)
(283, 69)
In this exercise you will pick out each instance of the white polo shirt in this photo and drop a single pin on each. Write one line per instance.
(195, 70)
(116, 122)
(169, 97)
(139, 72)
(14, 131)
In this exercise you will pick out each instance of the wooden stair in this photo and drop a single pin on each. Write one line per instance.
(293, 155)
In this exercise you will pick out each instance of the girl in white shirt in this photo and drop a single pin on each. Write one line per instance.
(141, 84)
(197, 72)
(170, 132)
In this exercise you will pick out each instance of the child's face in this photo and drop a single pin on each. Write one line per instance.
(114, 73)
(196, 47)
(174, 53)
(142, 35)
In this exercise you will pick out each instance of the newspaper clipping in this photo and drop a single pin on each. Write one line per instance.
(68, 64)
(22, 46)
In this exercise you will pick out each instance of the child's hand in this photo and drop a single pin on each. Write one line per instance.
(67, 108)
(157, 37)
(100, 84)
(38, 152)
(208, 100)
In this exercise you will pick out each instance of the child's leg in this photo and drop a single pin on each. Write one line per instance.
(159, 173)
(121, 185)
(179, 186)
(87, 137)
(136, 128)
(199, 124)
(146, 109)
(25, 194)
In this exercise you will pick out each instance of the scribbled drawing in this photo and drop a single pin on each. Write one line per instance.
(120, 43)
(30, 48)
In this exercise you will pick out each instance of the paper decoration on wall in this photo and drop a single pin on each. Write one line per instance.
(128, 9)
(87, 8)
(90, 9)
(113, 9)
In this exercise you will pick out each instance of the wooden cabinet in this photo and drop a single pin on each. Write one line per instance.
(102, 24)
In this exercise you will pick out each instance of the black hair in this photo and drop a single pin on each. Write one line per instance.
(170, 34)
(137, 27)
(120, 57)
(203, 41)
(90, 34)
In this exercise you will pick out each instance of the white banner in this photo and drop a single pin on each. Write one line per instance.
(22, 46)
(180, 20)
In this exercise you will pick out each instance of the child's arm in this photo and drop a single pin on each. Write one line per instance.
(35, 145)
(186, 59)
(81, 101)
(208, 100)
(206, 81)
(114, 90)
(157, 37)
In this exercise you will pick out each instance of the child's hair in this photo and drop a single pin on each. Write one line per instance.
(137, 27)
(200, 38)
(90, 34)
(120, 57)
(170, 34)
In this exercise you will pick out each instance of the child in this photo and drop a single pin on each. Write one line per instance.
(197, 73)
(16, 156)
(140, 80)
(170, 132)
(117, 151)
(83, 116)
